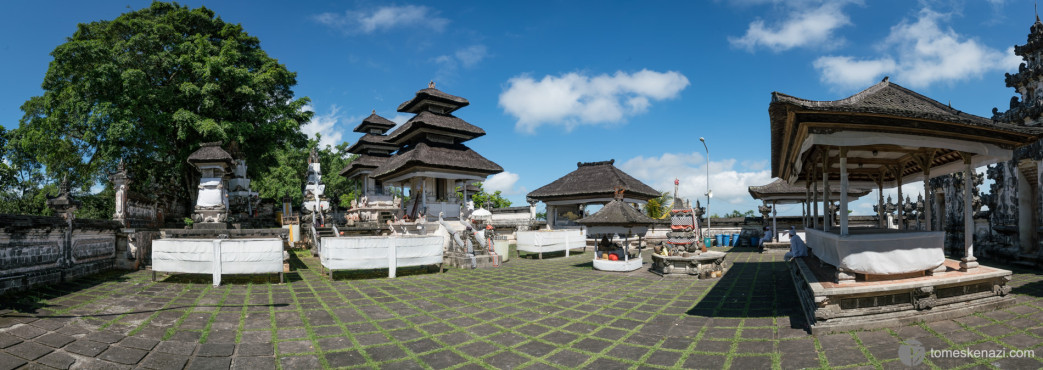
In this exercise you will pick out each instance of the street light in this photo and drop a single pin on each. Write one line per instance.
(709, 193)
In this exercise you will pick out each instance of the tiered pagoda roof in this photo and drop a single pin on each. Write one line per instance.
(594, 180)
(617, 213)
(210, 152)
(433, 139)
(372, 148)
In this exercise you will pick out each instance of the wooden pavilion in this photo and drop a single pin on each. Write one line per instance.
(590, 183)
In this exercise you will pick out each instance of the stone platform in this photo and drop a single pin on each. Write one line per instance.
(832, 307)
(704, 265)
(462, 260)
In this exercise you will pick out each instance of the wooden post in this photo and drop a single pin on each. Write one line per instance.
(814, 203)
(901, 203)
(968, 261)
(881, 214)
(774, 224)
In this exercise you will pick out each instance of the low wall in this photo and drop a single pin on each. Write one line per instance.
(38, 250)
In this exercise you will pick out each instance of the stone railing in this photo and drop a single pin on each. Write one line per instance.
(38, 250)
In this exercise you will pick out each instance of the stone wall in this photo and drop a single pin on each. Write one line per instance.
(38, 250)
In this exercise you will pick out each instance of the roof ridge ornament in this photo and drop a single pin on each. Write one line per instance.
(619, 190)
(431, 84)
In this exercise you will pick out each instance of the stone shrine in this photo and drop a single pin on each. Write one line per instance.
(213, 163)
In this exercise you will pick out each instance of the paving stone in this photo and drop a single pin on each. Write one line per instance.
(607, 363)
(139, 343)
(253, 363)
(285, 334)
(706, 345)
(8, 362)
(297, 346)
(477, 349)
(756, 347)
(665, 358)
(884, 352)
(26, 331)
(29, 350)
(176, 348)
(592, 345)
(164, 361)
(751, 362)
(502, 359)
(845, 356)
(386, 352)
(215, 350)
(535, 349)
(210, 363)
(7, 340)
(371, 339)
(798, 360)
(568, 358)
(123, 355)
(262, 336)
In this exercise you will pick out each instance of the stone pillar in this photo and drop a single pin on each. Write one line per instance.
(827, 220)
(423, 196)
(843, 192)
(901, 207)
(968, 261)
(774, 223)
(880, 202)
(927, 194)
(121, 183)
(805, 209)
(550, 217)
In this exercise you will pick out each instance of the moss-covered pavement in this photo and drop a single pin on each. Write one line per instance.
(550, 313)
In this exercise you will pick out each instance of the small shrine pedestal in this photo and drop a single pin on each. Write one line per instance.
(705, 265)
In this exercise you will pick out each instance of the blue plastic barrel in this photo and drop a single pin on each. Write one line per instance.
(720, 240)
(755, 240)
(727, 240)
(735, 240)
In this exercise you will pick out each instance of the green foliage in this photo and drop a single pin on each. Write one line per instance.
(737, 213)
(482, 199)
(188, 221)
(150, 87)
(98, 206)
(541, 215)
(659, 207)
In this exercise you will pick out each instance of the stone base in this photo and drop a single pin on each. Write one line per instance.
(462, 260)
(704, 265)
(832, 307)
(209, 226)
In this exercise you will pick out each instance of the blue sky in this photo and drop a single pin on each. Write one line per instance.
(559, 82)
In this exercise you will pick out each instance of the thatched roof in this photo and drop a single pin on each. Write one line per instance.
(361, 163)
(374, 121)
(210, 152)
(454, 157)
(444, 123)
(431, 95)
(594, 180)
(371, 141)
(616, 213)
(783, 192)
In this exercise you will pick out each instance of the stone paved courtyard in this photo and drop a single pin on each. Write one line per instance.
(551, 313)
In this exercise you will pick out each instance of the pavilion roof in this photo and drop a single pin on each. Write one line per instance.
(363, 162)
(886, 130)
(368, 141)
(617, 213)
(439, 123)
(429, 96)
(374, 121)
(452, 157)
(210, 152)
(594, 180)
(782, 192)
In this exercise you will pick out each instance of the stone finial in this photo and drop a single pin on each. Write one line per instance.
(64, 204)
(431, 84)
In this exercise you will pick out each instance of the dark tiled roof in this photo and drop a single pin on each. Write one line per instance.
(780, 188)
(616, 213)
(363, 162)
(594, 180)
(889, 99)
(210, 152)
(431, 93)
(440, 122)
(445, 156)
(375, 121)
(371, 141)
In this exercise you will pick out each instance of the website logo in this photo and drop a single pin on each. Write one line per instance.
(911, 352)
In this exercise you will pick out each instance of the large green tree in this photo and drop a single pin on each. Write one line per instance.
(149, 87)
(483, 199)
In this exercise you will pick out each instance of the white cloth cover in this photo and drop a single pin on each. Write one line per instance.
(550, 240)
(880, 254)
(209, 192)
(236, 256)
(374, 252)
(620, 265)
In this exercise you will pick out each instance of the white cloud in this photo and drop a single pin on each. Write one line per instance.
(575, 99)
(806, 25)
(504, 182)
(471, 55)
(326, 125)
(383, 19)
(466, 57)
(729, 184)
(400, 118)
(918, 53)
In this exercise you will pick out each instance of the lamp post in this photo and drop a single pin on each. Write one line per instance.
(709, 192)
